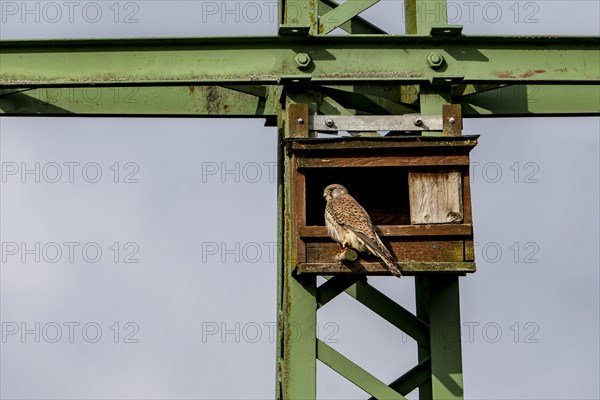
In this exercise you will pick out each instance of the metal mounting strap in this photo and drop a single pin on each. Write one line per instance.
(407, 122)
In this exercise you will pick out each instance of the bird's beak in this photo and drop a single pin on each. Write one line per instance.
(324, 194)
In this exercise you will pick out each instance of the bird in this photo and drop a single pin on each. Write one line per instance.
(349, 224)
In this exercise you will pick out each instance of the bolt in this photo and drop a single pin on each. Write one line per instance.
(302, 60)
(300, 121)
(418, 121)
(452, 120)
(329, 122)
(435, 60)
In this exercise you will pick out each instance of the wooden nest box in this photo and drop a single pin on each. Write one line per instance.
(416, 190)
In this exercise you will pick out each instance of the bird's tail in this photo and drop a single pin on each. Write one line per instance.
(378, 249)
(388, 260)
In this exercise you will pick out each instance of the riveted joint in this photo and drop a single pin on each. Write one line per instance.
(302, 60)
(435, 60)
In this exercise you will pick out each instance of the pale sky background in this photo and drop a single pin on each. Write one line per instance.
(196, 325)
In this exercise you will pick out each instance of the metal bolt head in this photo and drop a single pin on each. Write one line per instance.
(452, 120)
(329, 122)
(302, 60)
(300, 121)
(418, 121)
(435, 60)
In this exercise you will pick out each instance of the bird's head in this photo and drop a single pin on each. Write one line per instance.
(333, 191)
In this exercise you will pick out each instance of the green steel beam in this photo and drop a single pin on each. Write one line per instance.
(151, 101)
(444, 323)
(422, 15)
(355, 374)
(342, 14)
(379, 100)
(411, 380)
(297, 17)
(267, 60)
(523, 100)
(333, 287)
(355, 25)
(391, 311)
(422, 311)
(216, 101)
(297, 304)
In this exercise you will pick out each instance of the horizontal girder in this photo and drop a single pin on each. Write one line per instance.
(272, 60)
(211, 101)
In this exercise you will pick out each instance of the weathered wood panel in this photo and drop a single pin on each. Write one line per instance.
(435, 197)
(426, 250)
(373, 268)
(299, 199)
(452, 116)
(469, 250)
(399, 230)
(385, 161)
(381, 144)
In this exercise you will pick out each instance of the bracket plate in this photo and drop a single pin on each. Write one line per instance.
(350, 123)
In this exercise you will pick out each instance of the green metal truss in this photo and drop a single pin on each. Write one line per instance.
(365, 72)
(273, 60)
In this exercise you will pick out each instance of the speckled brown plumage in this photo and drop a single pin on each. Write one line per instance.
(349, 224)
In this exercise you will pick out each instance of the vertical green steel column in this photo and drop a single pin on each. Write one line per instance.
(421, 15)
(444, 324)
(422, 308)
(299, 14)
(297, 305)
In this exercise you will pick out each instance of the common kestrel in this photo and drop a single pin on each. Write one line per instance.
(349, 224)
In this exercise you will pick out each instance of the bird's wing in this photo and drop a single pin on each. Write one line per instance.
(346, 211)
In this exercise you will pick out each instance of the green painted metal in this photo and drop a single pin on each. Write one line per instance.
(210, 101)
(392, 312)
(355, 25)
(444, 323)
(297, 302)
(355, 374)
(333, 287)
(298, 17)
(523, 100)
(342, 14)
(422, 312)
(425, 14)
(412, 379)
(179, 101)
(268, 60)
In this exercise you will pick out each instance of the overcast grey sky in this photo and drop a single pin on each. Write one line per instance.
(156, 237)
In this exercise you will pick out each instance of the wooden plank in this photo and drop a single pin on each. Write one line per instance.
(298, 123)
(404, 251)
(373, 268)
(435, 197)
(307, 232)
(387, 143)
(355, 374)
(452, 116)
(466, 187)
(469, 250)
(436, 160)
(299, 215)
